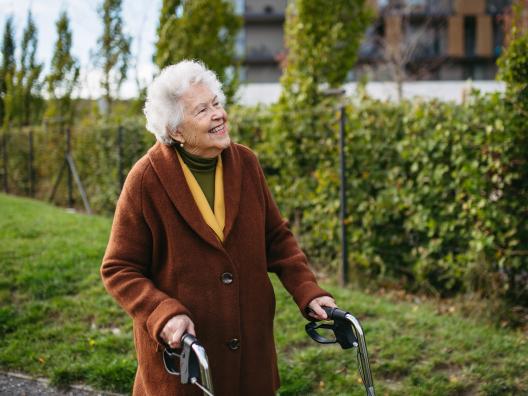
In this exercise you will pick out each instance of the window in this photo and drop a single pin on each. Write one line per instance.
(469, 35)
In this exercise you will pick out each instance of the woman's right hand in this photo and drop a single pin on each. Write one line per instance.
(175, 328)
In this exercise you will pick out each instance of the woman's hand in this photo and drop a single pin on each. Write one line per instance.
(175, 328)
(315, 307)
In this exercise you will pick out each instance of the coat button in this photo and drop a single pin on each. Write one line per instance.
(233, 344)
(227, 278)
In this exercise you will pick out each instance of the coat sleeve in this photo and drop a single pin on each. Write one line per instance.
(126, 265)
(285, 257)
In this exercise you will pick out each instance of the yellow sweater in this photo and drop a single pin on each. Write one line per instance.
(214, 220)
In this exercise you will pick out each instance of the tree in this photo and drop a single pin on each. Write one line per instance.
(162, 55)
(513, 63)
(322, 41)
(401, 51)
(7, 72)
(200, 29)
(113, 50)
(64, 74)
(513, 70)
(28, 84)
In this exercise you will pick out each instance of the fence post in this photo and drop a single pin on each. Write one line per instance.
(120, 156)
(343, 195)
(5, 158)
(31, 170)
(70, 178)
(340, 92)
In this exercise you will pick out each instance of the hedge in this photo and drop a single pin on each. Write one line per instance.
(436, 191)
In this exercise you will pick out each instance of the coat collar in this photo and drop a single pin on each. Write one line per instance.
(168, 169)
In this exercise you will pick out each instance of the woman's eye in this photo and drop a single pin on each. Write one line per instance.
(201, 110)
(216, 104)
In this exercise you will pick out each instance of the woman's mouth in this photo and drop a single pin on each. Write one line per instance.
(218, 130)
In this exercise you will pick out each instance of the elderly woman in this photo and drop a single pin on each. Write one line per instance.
(194, 234)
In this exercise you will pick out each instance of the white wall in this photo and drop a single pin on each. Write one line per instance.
(252, 94)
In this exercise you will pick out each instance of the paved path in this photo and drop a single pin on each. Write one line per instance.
(12, 384)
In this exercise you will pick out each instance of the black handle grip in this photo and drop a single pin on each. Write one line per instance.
(341, 327)
(336, 313)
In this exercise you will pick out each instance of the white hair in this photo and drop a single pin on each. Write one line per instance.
(163, 107)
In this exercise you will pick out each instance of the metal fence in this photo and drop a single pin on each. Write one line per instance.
(83, 166)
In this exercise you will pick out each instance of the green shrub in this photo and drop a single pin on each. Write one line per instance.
(435, 190)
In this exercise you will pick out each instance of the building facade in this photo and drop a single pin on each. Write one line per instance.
(409, 39)
(261, 42)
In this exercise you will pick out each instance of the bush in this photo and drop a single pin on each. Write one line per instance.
(433, 193)
(434, 189)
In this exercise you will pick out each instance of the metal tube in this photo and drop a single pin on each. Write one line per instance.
(363, 355)
(5, 157)
(70, 178)
(31, 170)
(120, 156)
(342, 197)
(205, 374)
(339, 92)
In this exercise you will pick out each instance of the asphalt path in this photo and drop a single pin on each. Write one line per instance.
(14, 384)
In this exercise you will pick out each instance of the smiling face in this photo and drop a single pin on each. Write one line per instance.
(204, 129)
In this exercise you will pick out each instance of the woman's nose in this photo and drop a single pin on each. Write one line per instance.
(217, 113)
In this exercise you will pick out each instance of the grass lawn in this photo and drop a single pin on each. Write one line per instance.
(57, 321)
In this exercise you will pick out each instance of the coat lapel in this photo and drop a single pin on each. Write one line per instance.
(232, 186)
(166, 165)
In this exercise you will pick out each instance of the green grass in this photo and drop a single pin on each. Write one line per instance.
(57, 321)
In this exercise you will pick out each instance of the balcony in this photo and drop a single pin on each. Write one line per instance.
(418, 8)
(497, 7)
(264, 18)
(260, 56)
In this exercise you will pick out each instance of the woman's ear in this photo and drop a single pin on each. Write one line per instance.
(176, 135)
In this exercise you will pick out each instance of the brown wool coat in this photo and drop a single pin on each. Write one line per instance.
(163, 260)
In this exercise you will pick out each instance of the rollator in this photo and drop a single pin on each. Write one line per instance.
(349, 334)
(190, 363)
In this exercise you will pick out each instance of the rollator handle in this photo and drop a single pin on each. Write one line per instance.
(190, 363)
(336, 313)
(341, 327)
(349, 334)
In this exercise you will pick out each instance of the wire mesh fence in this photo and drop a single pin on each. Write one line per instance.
(48, 161)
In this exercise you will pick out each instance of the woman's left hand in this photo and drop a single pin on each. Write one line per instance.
(315, 307)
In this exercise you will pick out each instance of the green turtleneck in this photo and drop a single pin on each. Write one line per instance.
(203, 170)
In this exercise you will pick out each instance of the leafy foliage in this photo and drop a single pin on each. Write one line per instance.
(322, 39)
(513, 63)
(7, 72)
(168, 10)
(433, 193)
(436, 191)
(113, 50)
(204, 30)
(64, 74)
(28, 99)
